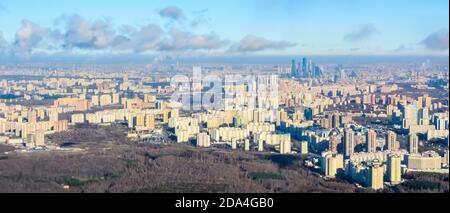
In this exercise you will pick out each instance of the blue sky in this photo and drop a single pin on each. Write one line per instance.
(225, 27)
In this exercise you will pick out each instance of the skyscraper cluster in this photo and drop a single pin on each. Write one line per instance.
(305, 69)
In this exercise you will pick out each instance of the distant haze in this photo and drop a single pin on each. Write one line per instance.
(247, 59)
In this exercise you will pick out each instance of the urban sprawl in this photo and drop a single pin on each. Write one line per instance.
(372, 123)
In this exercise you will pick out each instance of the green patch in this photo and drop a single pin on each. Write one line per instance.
(68, 145)
(131, 164)
(153, 156)
(243, 159)
(17, 178)
(283, 160)
(265, 176)
(421, 185)
(111, 176)
(76, 182)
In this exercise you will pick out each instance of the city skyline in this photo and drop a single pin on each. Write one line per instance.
(201, 28)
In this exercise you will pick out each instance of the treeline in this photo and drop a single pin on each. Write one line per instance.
(422, 182)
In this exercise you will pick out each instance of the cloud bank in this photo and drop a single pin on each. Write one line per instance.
(79, 33)
(437, 41)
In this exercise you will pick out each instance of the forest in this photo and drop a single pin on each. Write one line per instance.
(111, 164)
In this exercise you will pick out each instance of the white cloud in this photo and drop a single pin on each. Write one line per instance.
(28, 37)
(361, 33)
(172, 12)
(403, 48)
(252, 43)
(139, 40)
(83, 34)
(4, 45)
(200, 17)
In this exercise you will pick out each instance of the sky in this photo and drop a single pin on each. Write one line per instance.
(223, 27)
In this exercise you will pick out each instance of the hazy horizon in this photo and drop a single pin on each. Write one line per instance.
(244, 59)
